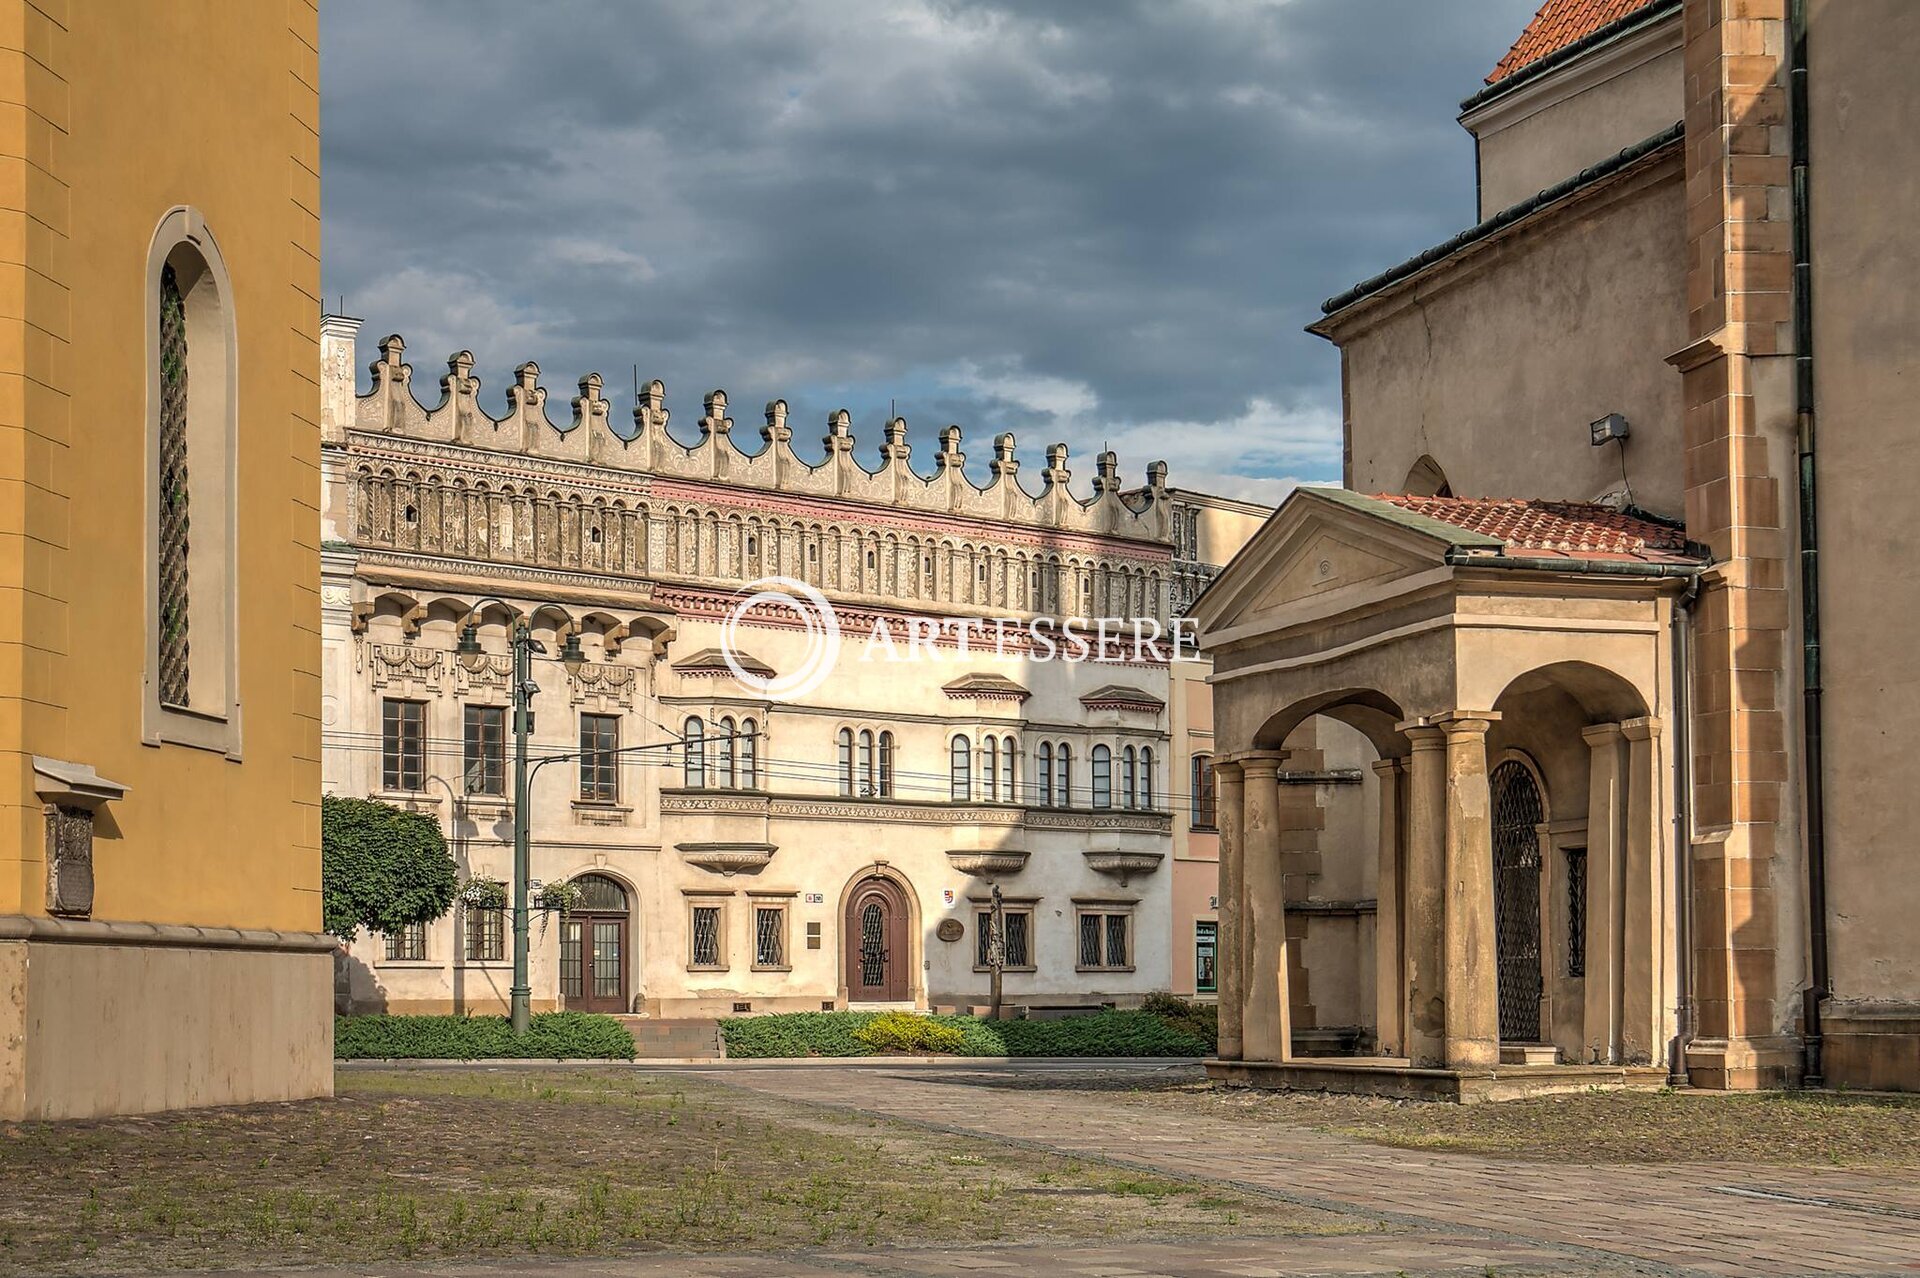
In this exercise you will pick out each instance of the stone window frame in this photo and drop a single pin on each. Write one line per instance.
(1010, 905)
(598, 762)
(781, 903)
(212, 720)
(1125, 907)
(484, 759)
(394, 750)
(720, 902)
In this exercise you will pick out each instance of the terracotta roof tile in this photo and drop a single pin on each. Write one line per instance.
(1558, 24)
(1576, 529)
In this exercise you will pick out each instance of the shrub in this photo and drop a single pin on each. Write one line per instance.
(1201, 1020)
(905, 1032)
(794, 1034)
(552, 1036)
(381, 868)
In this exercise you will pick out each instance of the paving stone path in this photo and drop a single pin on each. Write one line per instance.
(1690, 1218)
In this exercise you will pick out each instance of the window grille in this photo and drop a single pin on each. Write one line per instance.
(1090, 947)
(1103, 940)
(408, 944)
(174, 606)
(1015, 951)
(769, 936)
(1576, 912)
(485, 764)
(403, 727)
(486, 935)
(706, 936)
(599, 758)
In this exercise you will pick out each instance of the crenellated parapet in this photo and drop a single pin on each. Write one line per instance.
(647, 450)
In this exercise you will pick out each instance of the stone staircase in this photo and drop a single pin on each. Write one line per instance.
(693, 1039)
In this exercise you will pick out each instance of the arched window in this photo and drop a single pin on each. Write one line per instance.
(990, 769)
(190, 680)
(729, 768)
(1102, 777)
(1007, 769)
(846, 760)
(962, 771)
(695, 736)
(1129, 794)
(1044, 767)
(1146, 777)
(886, 765)
(865, 778)
(1063, 777)
(1201, 815)
(749, 754)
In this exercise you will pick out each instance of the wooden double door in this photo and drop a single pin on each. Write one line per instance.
(877, 954)
(594, 948)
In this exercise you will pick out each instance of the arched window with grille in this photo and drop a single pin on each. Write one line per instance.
(1102, 777)
(694, 767)
(886, 765)
(1063, 776)
(749, 754)
(961, 768)
(845, 742)
(1146, 777)
(1129, 792)
(990, 770)
(1044, 772)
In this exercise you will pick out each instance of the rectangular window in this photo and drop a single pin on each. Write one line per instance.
(1019, 949)
(1105, 943)
(1203, 806)
(1206, 979)
(599, 758)
(770, 936)
(486, 935)
(571, 984)
(485, 761)
(1576, 912)
(706, 948)
(408, 945)
(403, 744)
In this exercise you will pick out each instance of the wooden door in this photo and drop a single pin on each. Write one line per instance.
(593, 949)
(875, 936)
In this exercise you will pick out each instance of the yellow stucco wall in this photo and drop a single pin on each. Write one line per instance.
(110, 115)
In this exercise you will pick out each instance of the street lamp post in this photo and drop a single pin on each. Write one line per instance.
(524, 646)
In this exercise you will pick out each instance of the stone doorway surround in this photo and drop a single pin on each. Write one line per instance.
(1454, 633)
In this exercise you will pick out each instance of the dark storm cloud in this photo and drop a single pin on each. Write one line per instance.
(1103, 222)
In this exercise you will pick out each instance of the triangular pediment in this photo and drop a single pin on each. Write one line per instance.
(1321, 547)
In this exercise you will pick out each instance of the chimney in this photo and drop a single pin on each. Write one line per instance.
(338, 334)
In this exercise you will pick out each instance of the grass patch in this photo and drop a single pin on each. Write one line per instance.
(793, 1034)
(432, 1166)
(553, 1036)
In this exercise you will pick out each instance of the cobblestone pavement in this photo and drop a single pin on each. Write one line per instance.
(1698, 1218)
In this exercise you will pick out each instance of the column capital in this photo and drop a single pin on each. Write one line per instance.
(1387, 767)
(1642, 729)
(1262, 763)
(1226, 769)
(1423, 736)
(1601, 734)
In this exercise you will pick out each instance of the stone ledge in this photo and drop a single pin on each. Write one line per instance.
(1396, 1080)
(24, 927)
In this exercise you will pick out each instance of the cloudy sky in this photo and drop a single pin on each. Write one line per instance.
(1097, 221)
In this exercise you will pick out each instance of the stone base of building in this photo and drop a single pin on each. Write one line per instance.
(1395, 1079)
(129, 1018)
(1871, 1046)
(1744, 1064)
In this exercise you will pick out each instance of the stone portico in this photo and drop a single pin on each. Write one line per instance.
(1511, 664)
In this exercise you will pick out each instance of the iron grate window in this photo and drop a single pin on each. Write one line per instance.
(706, 936)
(1016, 951)
(485, 764)
(408, 944)
(486, 935)
(174, 607)
(1103, 940)
(1576, 912)
(403, 752)
(599, 758)
(769, 936)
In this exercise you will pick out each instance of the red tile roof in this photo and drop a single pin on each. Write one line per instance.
(1574, 529)
(1558, 24)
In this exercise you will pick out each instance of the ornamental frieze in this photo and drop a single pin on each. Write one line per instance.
(405, 667)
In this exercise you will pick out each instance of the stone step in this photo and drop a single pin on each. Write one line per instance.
(1529, 1054)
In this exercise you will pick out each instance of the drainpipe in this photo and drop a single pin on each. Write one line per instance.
(1820, 984)
(1682, 833)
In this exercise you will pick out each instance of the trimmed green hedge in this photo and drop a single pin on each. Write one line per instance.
(553, 1036)
(835, 1034)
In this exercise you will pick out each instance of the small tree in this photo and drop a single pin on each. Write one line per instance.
(381, 868)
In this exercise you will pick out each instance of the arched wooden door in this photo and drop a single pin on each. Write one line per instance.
(1517, 813)
(593, 948)
(875, 936)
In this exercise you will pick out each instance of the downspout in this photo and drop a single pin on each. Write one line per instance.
(1820, 984)
(1682, 833)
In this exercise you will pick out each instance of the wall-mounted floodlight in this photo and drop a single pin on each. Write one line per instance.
(1609, 428)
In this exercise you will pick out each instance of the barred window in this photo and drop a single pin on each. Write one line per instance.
(705, 951)
(1202, 812)
(174, 495)
(408, 944)
(1018, 952)
(599, 758)
(1104, 940)
(486, 935)
(485, 763)
(769, 936)
(403, 744)
(1576, 912)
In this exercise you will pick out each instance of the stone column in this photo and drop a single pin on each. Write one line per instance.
(1604, 861)
(1642, 938)
(1230, 963)
(1265, 1032)
(1472, 957)
(1423, 867)
(1389, 966)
